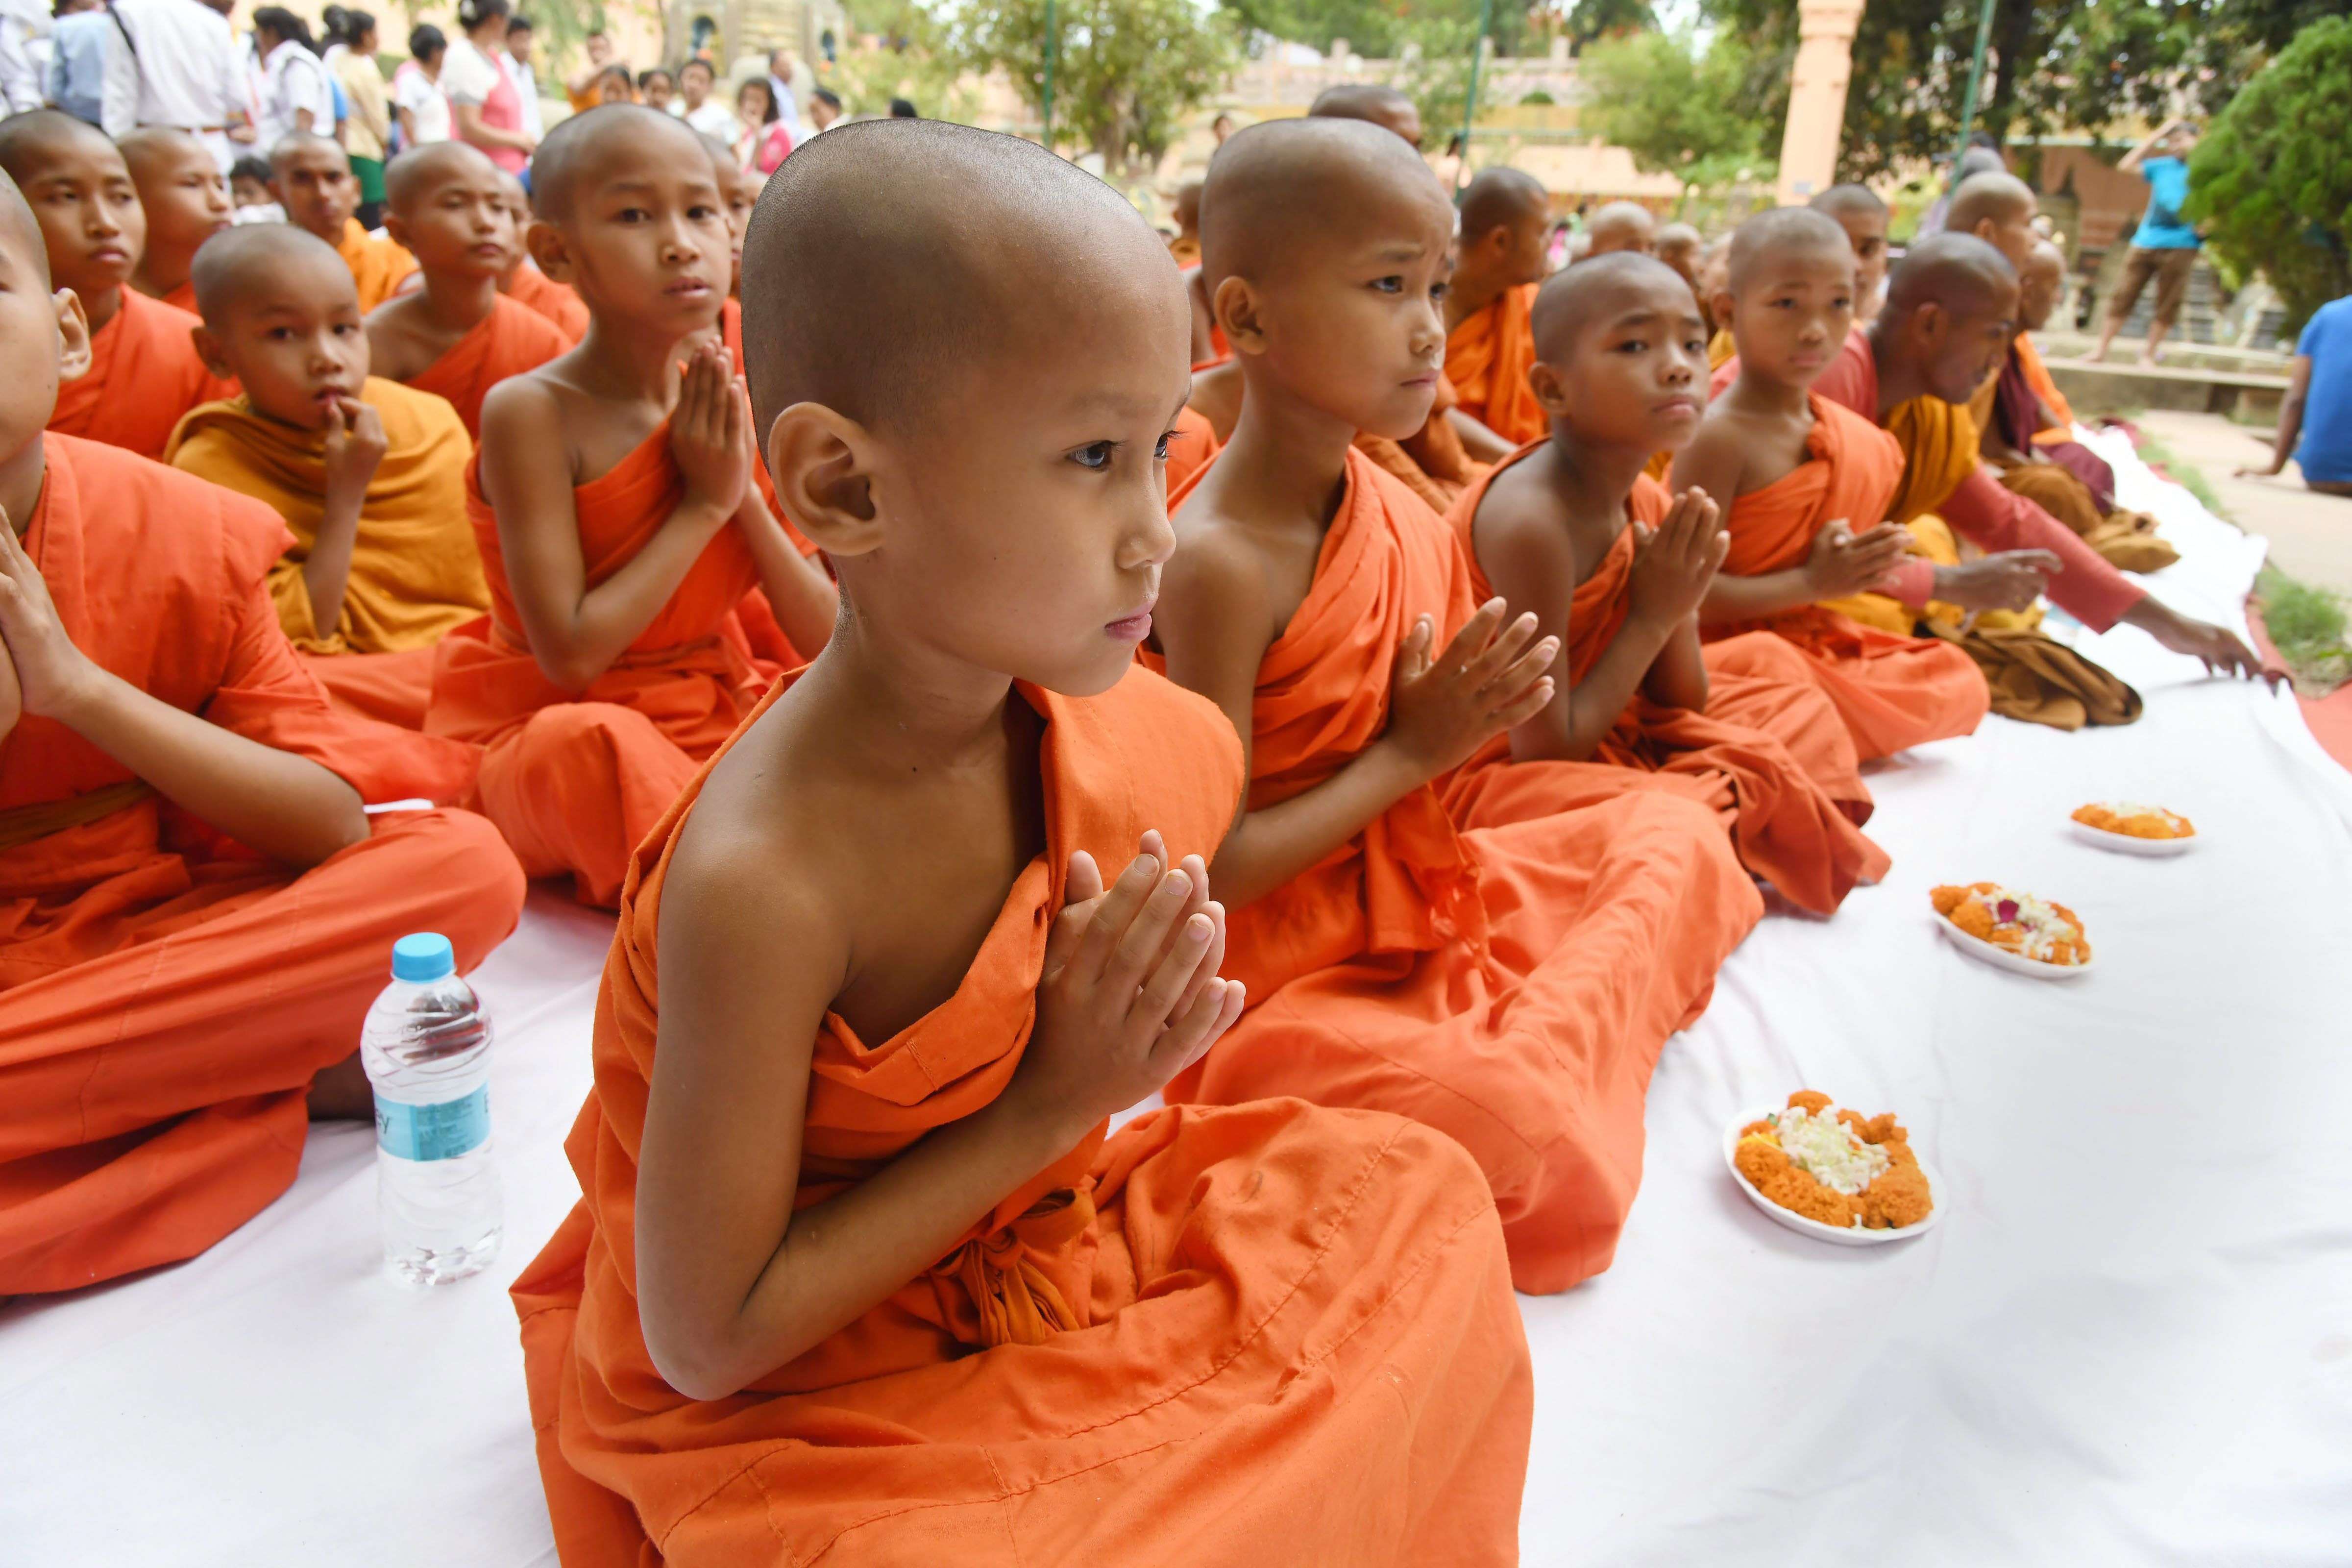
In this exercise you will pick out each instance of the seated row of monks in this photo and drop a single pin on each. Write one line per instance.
(1391, 872)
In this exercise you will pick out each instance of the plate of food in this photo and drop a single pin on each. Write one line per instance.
(2014, 930)
(1833, 1174)
(2128, 829)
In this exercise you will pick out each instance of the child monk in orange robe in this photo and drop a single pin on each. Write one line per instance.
(185, 201)
(313, 180)
(1498, 951)
(1811, 483)
(857, 1275)
(369, 475)
(144, 371)
(613, 498)
(1573, 529)
(1859, 212)
(1506, 218)
(194, 911)
(525, 284)
(738, 194)
(456, 336)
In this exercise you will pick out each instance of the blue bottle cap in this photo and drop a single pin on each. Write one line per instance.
(425, 955)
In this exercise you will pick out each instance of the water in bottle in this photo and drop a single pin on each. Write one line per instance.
(427, 1049)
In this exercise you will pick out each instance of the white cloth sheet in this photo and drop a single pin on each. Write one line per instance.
(2129, 1340)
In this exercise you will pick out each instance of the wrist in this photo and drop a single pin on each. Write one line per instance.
(1399, 770)
(82, 697)
(1034, 1129)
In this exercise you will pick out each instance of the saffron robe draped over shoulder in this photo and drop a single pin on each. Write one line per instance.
(513, 338)
(1487, 358)
(144, 375)
(575, 778)
(1500, 954)
(559, 302)
(1432, 462)
(1770, 750)
(415, 575)
(378, 265)
(1892, 692)
(166, 996)
(1174, 1344)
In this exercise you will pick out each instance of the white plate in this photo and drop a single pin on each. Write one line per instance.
(1813, 1228)
(2125, 844)
(2001, 958)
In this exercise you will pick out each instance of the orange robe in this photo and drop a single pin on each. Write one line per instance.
(377, 265)
(165, 996)
(1158, 1351)
(557, 302)
(575, 778)
(508, 342)
(144, 375)
(1770, 750)
(185, 297)
(2038, 376)
(1891, 691)
(1432, 462)
(415, 574)
(1487, 358)
(1500, 954)
(1190, 449)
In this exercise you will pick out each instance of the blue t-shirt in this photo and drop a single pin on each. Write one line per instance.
(2162, 227)
(2325, 452)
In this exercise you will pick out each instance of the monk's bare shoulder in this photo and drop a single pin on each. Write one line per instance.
(1718, 458)
(1221, 574)
(1518, 525)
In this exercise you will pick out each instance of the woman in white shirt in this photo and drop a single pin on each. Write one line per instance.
(698, 108)
(416, 88)
(294, 91)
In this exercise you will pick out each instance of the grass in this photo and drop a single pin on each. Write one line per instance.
(2306, 625)
(2180, 471)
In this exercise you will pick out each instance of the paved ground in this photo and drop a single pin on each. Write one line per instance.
(2310, 534)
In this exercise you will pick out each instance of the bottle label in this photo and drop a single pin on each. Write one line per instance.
(439, 1132)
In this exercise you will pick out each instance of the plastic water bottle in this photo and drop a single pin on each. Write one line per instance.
(427, 1049)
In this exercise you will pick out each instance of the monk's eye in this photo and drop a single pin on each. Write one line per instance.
(1440, 289)
(1389, 285)
(1159, 452)
(1096, 456)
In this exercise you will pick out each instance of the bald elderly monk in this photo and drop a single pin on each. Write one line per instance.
(859, 1274)
(141, 371)
(313, 180)
(368, 474)
(1858, 210)
(195, 912)
(1505, 216)
(187, 202)
(1951, 309)
(1620, 225)
(456, 336)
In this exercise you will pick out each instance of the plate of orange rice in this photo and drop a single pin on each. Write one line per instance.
(1833, 1174)
(2014, 930)
(2128, 829)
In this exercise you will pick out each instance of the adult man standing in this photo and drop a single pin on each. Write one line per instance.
(188, 72)
(526, 80)
(2165, 246)
(779, 82)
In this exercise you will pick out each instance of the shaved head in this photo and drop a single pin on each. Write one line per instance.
(409, 176)
(1284, 192)
(242, 263)
(1598, 288)
(1997, 196)
(302, 146)
(576, 153)
(1957, 272)
(888, 262)
(28, 138)
(21, 232)
(1679, 238)
(2041, 284)
(1779, 232)
(1978, 161)
(1840, 200)
(1621, 226)
(2046, 261)
(1501, 197)
(152, 149)
(1372, 101)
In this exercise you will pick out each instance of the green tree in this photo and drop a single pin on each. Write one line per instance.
(2272, 181)
(1590, 21)
(1676, 109)
(1380, 29)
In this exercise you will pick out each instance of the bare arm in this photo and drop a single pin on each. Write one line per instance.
(1678, 677)
(2130, 161)
(1482, 444)
(2290, 420)
(355, 445)
(473, 129)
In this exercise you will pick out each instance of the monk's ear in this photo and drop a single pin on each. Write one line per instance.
(549, 249)
(73, 335)
(1237, 310)
(824, 465)
(1724, 308)
(397, 230)
(208, 349)
(1549, 387)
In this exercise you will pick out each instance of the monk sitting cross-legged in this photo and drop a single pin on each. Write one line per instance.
(620, 526)
(143, 369)
(186, 203)
(526, 285)
(194, 911)
(456, 336)
(859, 1274)
(1496, 950)
(1574, 530)
(313, 180)
(1811, 483)
(369, 475)
(1505, 218)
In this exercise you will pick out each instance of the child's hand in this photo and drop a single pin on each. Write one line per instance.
(1485, 682)
(2011, 580)
(12, 694)
(1843, 562)
(1673, 563)
(46, 674)
(355, 445)
(708, 432)
(754, 508)
(1129, 994)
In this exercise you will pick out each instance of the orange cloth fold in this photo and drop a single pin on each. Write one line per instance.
(1189, 451)
(143, 376)
(2045, 385)
(185, 297)
(1487, 358)
(378, 265)
(1770, 749)
(1892, 692)
(1155, 1351)
(511, 340)
(574, 780)
(1432, 462)
(165, 995)
(1500, 954)
(559, 302)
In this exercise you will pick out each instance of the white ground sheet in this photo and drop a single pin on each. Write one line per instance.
(2129, 1340)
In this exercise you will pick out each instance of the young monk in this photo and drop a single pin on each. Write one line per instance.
(738, 193)
(312, 181)
(143, 371)
(456, 336)
(857, 1275)
(1374, 102)
(369, 475)
(1505, 216)
(1615, 573)
(1620, 226)
(197, 912)
(1714, 277)
(618, 517)
(185, 202)
(1496, 950)
(1185, 249)
(1857, 210)
(1812, 484)
(1680, 248)
(525, 284)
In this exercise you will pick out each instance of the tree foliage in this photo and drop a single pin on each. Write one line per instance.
(1674, 107)
(2272, 181)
